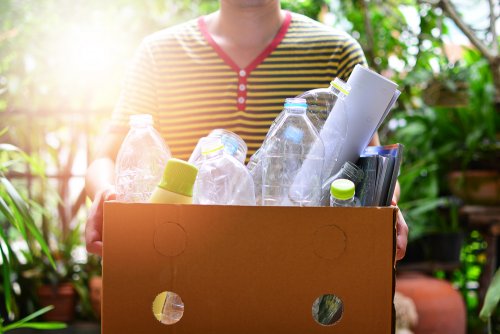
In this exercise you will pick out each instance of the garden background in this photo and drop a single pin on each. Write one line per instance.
(61, 67)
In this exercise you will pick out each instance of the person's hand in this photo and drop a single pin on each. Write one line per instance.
(401, 233)
(93, 229)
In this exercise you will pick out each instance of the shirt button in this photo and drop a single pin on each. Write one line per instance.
(241, 100)
(242, 87)
(243, 73)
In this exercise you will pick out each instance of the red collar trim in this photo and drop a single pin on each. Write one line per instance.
(260, 58)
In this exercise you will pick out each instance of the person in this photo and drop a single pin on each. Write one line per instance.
(230, 69)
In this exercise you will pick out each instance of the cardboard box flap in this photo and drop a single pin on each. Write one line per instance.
(247, 269)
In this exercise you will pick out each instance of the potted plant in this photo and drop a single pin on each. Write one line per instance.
(475, 160)
(64, 285)
(440, 141)
(94, 270)
(17, 225)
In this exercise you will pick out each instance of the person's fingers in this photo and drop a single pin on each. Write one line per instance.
(401, 236)
(93, 229)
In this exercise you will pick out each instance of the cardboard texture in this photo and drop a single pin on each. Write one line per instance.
(247, 269)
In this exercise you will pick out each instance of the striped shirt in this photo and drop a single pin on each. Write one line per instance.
(190, 86)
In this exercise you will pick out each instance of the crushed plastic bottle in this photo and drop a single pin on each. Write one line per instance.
(233, 145)
(140, 161)
(222, 179)
(283, 152)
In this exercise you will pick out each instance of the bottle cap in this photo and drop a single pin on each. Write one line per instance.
(342, 189)
(341, 86)
(179, 177)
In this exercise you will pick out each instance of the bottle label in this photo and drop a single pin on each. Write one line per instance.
(294, 134)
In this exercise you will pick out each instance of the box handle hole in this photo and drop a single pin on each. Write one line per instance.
(327, 309)
(168, 307)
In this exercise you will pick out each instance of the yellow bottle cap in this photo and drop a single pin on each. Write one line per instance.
(342, 189)
(179, 177)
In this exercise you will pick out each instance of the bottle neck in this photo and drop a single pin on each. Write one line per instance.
(295, 111)
(337, 92)
(342, 202)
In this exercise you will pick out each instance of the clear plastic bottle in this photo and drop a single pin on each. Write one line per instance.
(348, 171)
(322, 104)
(342, 193)
(255, 168)
(177, 183)
(221, 178)
(140, 161)
(233, 145)
(287, 146)
(320, 101)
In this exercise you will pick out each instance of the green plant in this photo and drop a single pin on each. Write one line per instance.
(17, 223)
(491, 300)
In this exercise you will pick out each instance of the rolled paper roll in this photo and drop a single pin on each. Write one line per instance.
(372, 97)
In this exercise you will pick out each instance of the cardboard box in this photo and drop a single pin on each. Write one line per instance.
(247, 269)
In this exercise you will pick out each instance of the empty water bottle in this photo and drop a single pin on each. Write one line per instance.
(348, 171)
(140, 161)
(287, 146)
(342, 193)
(221, 178)
(320, 101)
(233, 145)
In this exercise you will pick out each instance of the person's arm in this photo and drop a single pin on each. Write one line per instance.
(99, 185)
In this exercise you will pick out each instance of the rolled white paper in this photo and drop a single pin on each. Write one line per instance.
(370, 100)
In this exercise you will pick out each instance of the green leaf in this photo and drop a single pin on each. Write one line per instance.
(24, 322)
(42, 325)
(41, 241)
(492, 298)
(21, 213)
(24, 218)
(9, 148)
(6, 280)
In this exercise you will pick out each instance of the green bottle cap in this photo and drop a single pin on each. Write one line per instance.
(342, 189)
(179, 177)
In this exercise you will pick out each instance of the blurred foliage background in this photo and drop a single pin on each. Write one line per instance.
(62, 63)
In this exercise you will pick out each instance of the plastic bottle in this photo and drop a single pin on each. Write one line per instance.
(342, 193)
(233, 145)
(140, 161)
(221, 178)
(348, 171)
(283, 152)
(177, 183)
(321, 101)
(254, 166)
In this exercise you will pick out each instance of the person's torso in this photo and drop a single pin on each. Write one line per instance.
(199, 88)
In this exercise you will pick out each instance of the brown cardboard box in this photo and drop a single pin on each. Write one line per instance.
(247, 269)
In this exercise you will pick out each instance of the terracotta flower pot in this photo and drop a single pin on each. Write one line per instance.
(480, 187)
(440, 308)
(95, 287)
(62, 297)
